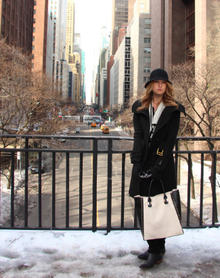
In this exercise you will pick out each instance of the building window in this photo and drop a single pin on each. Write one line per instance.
(147, 40)
(147, 70)
(33, 38)
(3, 20)
(32, 47)
(33, 29)
(34, 20)
(147, 31)
(4, 4)
(32, 65)
(34, 11)
(190, 27)
(35, 2)
(147, 60)
(146, 79)
(127, 63)
(32, 57)
(147, 21)
(147, 50)
(142, 6)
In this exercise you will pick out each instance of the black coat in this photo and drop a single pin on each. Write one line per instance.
(163, 141)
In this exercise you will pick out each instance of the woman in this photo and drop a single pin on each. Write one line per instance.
(156, 122)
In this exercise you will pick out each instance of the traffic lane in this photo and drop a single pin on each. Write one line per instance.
(88, 130)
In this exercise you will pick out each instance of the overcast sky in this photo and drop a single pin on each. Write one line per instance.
(90, 17)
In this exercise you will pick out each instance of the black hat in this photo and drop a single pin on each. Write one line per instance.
(158, 74)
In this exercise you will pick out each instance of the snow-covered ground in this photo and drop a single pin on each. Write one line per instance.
(62, 254)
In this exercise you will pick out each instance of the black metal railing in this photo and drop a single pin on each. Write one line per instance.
(87, 188)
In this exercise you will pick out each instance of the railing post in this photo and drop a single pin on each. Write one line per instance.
(53, 189)
(214, 207)
(94, 211)
(80, 189)
(201, 189)
(39, 193)
(26, 185)
(12, 189)
(67, 189)
(109, 189)
(188, 192)
(122, 190)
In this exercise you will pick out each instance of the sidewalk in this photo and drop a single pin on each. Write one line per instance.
(77, 254)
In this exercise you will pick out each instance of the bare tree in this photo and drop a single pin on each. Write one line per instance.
(28, 101)
(27, 98)
(198, 87)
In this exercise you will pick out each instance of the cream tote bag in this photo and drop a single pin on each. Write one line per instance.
(161, 214)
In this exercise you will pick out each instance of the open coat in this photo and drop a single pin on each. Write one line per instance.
(160, 152)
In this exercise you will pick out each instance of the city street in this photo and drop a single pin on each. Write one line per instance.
(87, 186)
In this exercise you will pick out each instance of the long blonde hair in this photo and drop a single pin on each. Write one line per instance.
(168, 96)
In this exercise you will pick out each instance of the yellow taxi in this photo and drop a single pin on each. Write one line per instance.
(105, 130)
(102, 126)
(93, 124)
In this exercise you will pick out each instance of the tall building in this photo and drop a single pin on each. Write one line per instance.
(120, 75)
(70, 29)
(130, 9)
(119, 16)
(73, 57)
(139, 29)
(16, 22)
(174, 29)
(99, 57)
(39, 45)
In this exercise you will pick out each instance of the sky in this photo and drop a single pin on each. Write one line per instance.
(90, 17)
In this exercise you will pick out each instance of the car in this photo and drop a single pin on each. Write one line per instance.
(100, 121)
(105, 130)
(35, 167)
(89, 122)
(93, 124)
(102, 126)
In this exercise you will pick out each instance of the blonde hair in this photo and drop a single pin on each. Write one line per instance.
(168, 96)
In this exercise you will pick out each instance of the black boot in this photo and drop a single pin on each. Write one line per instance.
(152, 260)
(144, 256)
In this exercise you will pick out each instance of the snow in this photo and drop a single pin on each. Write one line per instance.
(87, 254)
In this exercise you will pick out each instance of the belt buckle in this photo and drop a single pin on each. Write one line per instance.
(160, 152)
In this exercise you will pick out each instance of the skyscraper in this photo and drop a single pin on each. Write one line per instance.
(70, 29)
(119, 16)
(39, 46)
(16, 23)
(73, 57)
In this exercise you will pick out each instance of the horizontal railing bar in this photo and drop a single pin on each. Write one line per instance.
(63, 151)
(86, 137)
(98, 228)
(49, 137)
(100, 151)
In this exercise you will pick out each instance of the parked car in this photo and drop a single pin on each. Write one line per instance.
(93, 124)
(35, 167)
(105, 130)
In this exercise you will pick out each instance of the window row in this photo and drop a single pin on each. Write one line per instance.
(147, 40)
(147, 50)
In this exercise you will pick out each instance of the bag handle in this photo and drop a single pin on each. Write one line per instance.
(164, 194)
